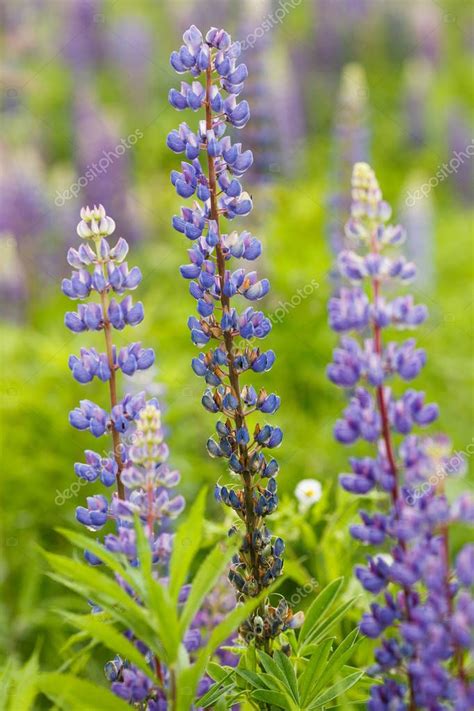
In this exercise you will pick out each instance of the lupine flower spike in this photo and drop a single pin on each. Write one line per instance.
(215, 186)
(101, 270)
(424, 617)
(137, 465)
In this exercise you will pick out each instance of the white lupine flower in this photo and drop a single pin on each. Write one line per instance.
(95, 223)
(308, 492)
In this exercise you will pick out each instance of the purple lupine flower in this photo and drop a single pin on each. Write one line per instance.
(424, 619)
(139, 472)
(217, 82)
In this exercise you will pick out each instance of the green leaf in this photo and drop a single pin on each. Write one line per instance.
(163, 612)
(326, 624)
(313, 668)
(338, 658)
(262, 680)
(336, 690)
(6, 681)
(274, 697)
(111, 560)
(287, 669)
(206, 577)
(217, 691)
(73, 694)
(88, 582)
(322, 602)
(188, 678)
(24, 690)
(217, 672)
(270, 665)
(106, 633)
(186, 544)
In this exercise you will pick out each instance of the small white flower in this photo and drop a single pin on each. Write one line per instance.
(308, 492)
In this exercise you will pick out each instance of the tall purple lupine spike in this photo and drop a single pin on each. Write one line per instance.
(136, 466)
(218, 194)
(101, 269)
(424, 609)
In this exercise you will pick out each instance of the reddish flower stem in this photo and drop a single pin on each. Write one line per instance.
(250, 521)
(104, 300)
(458, 652)
(387, 438)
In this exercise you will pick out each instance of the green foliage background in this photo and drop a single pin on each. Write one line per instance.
(39, 447)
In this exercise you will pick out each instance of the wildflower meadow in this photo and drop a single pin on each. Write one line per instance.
(237, 374)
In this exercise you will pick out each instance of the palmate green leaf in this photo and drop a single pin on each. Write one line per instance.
(188, 678)
(113, 561)
(276, 698)
(107, 634)
(285, 665)
(73, 694)
(163, 612)
(338, 659)
(261, 680)
(186, 545)
(321, 604)
(315, 665)
(221, 688)
(270, 665)
(91, 584)
(337, 689)
(326, 624)
(206, 577)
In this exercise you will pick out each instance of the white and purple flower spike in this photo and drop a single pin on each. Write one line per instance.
(427, 613)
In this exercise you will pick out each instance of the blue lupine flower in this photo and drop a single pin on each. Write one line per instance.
(427, 621)
(218, 194)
